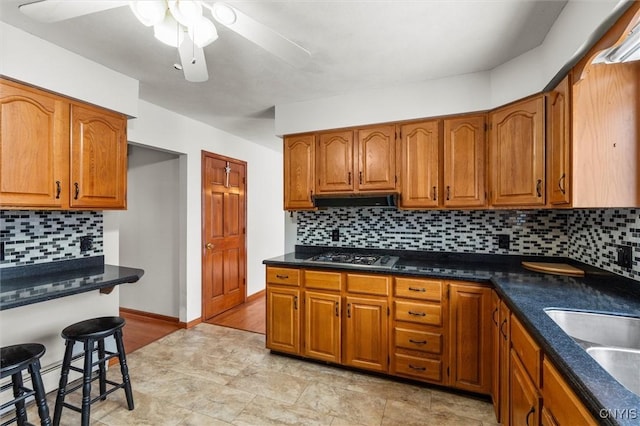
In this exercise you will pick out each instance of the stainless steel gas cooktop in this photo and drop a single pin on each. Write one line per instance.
(355, 259)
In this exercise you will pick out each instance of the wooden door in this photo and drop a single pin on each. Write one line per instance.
(224, 233)
(98, 158)
(559, 144)
(517, 154)
(283, 319)
(34, 148)
(335, 165)
(299, 171)
(464, 162)
(377, 159)
(366, 333)
(322, 326)
(420, 164)
(470, 337)
(524, 397)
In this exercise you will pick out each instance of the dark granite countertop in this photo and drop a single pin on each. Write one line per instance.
(528, 293)
(25, 285)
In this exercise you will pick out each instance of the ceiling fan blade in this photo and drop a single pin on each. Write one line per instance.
(48, 11)
(264, 37)
(193, 62)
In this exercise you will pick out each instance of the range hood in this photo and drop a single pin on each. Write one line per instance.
(356, 200)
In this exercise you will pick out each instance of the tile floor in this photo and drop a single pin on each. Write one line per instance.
(210, 375)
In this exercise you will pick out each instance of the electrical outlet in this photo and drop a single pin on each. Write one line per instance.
(503, 241)
(335, 235)
(86, 243)
(625, 255)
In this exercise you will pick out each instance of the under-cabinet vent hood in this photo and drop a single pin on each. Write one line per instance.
(356, 200)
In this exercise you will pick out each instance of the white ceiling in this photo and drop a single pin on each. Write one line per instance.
(354, 45)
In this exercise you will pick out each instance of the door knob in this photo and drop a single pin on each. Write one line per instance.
(209, 246)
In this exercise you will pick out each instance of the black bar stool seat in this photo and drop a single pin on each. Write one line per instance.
(13, 360)
(92, 333)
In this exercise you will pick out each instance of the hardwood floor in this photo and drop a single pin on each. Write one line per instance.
(143, 328)
(250, 316)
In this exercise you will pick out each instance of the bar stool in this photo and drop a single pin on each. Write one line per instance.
(92, 333)
(13, 360)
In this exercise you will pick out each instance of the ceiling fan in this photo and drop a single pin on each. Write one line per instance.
(181, 24)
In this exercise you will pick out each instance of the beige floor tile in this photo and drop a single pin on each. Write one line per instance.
(197, 419)
(271, 384)
(265, 411)
(220, 402)
(465, 406)
(347, 405)
(409, 414)
(148, 411)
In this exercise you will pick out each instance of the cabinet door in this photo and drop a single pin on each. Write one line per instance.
(495, 357)
(98, 158)
(377, 159)
(470, 337)
(420, 164)
(464, 156)
(322, 326)
(335, 162)
(524, 397)
(283, 319)
(34, 148)
(505, 346)
(299, 171)
(517, 154)
(559, 144)
(366, 333)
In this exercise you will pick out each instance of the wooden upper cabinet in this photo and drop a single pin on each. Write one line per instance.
(299, 171)
(517, 154)
(34, 147)
(98, 158)
(559, 144)
(335, 164)
(377, 159)
(464, 161)
(420, 164)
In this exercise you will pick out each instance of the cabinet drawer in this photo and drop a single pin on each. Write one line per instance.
(527, 350)
(421, 313)
(413, 288)
(323, 280)
(423, 368)
(368, 284)
(284, 276)
(423, 341)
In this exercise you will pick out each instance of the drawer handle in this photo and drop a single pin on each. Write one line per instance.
(282, 277)
(421, 290)
(417, 314)
(414, 367)
(418, 342)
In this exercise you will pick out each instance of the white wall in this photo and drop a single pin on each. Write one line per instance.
(518, 78)
(159, 128)
(150, 231)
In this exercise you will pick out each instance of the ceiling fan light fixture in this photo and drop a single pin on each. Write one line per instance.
(223, 13)
(149, 12)
(187, 12)
(203, 32)
(169, 31)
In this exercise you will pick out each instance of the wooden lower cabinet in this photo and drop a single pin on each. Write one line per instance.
(283, 319)
(366, 333)
(322, 326)
(470, 336)
(524, 396)
(561, 405)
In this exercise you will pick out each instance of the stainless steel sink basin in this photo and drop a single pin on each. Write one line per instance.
(594, 329)
(622, 364)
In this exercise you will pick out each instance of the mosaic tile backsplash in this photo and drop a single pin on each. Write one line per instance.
(32, 237)
(589, 236)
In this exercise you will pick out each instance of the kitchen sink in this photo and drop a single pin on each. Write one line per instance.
(612, 340)
(595, 329)
(622, 364)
